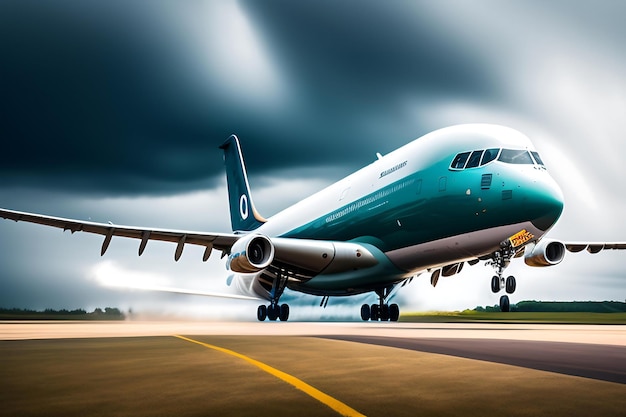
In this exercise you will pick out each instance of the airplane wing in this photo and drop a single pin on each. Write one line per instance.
(593, 247)
(219, 241)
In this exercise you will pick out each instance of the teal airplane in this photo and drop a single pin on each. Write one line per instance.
(458, 195)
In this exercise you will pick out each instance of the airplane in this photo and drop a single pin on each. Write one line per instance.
(462, 194)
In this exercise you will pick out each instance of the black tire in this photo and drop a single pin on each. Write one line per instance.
(510, 285)
(272, 312)
(384, 313)
(261, 313)
(505, 305)
(365, 312)
(394, 312)
(375, 312)
(495, 284)
(283, 315)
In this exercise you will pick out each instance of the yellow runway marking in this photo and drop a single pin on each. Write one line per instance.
(326, 399)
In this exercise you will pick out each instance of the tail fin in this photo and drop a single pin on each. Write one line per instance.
(243, 215)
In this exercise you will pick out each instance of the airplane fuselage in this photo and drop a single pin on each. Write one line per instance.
(415, 211)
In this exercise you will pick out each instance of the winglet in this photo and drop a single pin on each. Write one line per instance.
(243, 215)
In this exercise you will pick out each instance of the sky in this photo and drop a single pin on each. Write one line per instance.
(114, 111)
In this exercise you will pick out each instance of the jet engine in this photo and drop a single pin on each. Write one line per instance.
(545, 253)
(251, 253)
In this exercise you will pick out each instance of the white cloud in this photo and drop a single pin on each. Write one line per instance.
(227, 52)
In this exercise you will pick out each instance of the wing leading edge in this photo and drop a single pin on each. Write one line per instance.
(219, 241)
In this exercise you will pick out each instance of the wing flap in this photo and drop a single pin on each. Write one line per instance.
(594, 247)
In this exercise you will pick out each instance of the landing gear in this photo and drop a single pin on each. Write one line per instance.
(365, 312)
(510, 285)
(275, 311)
(272, 312)
(505, 305)
(283, 314)
(381, 311)
(261, 313)
(394, 312)
(497, 283)
(500, 261)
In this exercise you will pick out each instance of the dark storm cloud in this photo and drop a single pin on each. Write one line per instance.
(352, 64)
(360, 53)
(93, 95)
(105, 98)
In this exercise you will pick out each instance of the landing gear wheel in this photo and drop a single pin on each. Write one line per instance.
(272, 312)
(394, 312)
(495, 284)
(510, 285)
(505, 305)
(375, 312)
(283, 314)
(365, 312)
(384, 312)
(261, 313)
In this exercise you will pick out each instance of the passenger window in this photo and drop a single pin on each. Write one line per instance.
(537, 158)
(489, 155)
(459, 160)
(515, 156)
(474, 160)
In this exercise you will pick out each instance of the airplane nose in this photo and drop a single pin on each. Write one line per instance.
(546, 204)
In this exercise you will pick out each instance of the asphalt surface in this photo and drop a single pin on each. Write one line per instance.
(402, 369)
(602, 362)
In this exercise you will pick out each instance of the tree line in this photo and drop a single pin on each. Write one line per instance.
(108, 313)
(562, 307)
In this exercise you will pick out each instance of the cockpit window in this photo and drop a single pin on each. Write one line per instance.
(515, 156)
(459, 160)
(537, 158)
(474, 159)
(489, 155)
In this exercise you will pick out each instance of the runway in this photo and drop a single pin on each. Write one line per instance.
(570, 333)
(138, 368)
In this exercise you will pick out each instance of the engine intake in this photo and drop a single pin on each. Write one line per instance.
(251, 253)
(545, 253)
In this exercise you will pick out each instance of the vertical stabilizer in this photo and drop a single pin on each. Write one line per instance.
(243, 215)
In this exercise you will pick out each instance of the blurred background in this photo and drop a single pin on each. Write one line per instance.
(114, 111)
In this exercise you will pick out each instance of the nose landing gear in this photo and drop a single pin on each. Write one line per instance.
(500, 260)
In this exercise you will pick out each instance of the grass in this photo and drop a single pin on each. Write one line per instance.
(469, 316)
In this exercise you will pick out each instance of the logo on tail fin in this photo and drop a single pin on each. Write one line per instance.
(243, 206)
(243, 215)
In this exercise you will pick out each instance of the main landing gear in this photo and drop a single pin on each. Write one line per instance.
(381, 311)
(274, 310)
(500, 261)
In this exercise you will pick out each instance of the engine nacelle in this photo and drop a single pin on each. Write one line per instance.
(251, 253)
(545, 253)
